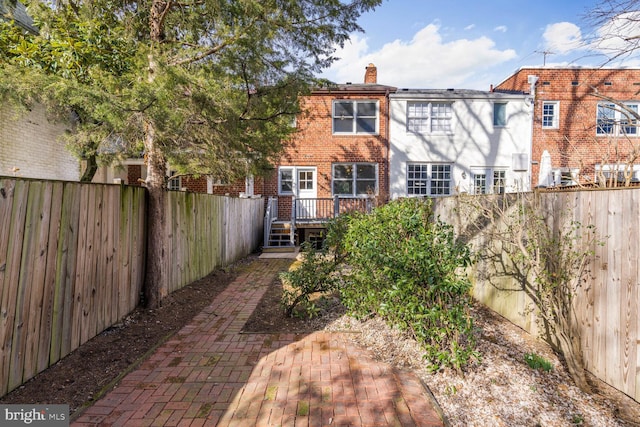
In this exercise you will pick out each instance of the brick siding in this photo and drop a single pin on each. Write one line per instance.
(575, 143)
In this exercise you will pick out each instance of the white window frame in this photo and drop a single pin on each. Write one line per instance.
(496, 116)
(354, 125)
(354, 179)
(551, 121)
(174, 184)
(281, 169)
(294, 178)
(430, 117)
(432, 178)
(612, 120)
(493, 183)
(621, 169)
(415, 182)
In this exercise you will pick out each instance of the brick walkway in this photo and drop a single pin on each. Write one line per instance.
(211, 374)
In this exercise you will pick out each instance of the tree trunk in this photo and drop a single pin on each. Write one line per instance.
(571, 350)
(91, 169)
(155, 287)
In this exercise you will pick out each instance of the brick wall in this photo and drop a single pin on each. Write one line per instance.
(316, 145)
(29, 147)
(575, 143)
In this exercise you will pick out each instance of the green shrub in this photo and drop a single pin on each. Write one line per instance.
(406, 266)
(318, 271)
(314, 274)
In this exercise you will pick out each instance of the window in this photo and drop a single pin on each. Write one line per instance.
(499, 182)
(614, 119)
(305, 180)
(417, 180)
(354, 179)
(480, 183)
(550, 114)
(500, 114)
(355, 117)
(425, 179)
(429, 117)
(491, 180)
(285, 181)
(174, 184)
(617, 173)
(440, 180)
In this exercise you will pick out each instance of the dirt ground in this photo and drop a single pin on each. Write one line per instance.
(483, 397)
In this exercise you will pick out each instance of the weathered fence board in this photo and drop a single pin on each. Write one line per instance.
(72, 260)
(608, 302)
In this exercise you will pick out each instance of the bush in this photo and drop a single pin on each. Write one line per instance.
(314, 274)
(406, 267)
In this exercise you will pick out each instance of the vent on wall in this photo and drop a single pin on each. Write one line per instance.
(546, 83)
(608, 83)
(574, 83)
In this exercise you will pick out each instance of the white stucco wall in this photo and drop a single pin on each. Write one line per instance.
(30, 148)
(474, 143)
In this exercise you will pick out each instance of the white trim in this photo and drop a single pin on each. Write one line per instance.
(555, 120)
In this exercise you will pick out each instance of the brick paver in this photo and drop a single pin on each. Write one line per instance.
(211, 374)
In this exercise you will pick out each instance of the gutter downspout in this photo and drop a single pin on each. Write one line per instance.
(387, 137)
(532, 80)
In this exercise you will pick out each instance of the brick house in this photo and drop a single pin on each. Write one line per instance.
(136, 172)
(583, 117)
(338, 158)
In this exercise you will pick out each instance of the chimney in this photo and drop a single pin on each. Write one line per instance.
(371, 74)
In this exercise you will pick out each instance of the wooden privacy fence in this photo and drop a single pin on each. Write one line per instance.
(607, 304)
(72, 260)
(206, 232)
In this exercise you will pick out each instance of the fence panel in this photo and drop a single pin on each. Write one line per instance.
(64, 252)
(206, 232)
(608, 302)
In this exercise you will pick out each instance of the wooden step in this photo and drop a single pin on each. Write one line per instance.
(279, 249)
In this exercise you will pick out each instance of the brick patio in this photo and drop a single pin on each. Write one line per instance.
(211, 374)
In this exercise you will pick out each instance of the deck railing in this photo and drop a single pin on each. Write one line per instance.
(270, 215)
(324, 209)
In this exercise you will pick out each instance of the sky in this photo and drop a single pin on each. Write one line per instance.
(467, 44)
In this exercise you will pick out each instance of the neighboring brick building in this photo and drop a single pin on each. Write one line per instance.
(341, 147)
(577, 122)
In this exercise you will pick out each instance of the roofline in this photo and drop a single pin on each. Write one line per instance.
(564, 67)
(453, 95)
(357, 88)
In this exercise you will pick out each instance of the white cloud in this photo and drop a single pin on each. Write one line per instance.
(470, 27)
(501, 28)
(621, 34)
(562, 37)
(424, 62)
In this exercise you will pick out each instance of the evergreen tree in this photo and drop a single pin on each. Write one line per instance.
(210, 86)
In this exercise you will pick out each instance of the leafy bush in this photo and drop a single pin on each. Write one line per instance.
(405, 266)
(314, 274)
(317, 272)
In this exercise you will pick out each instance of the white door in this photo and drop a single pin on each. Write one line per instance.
(306, 193)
